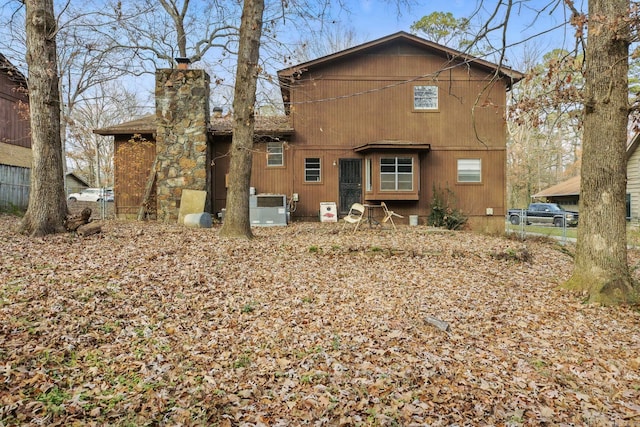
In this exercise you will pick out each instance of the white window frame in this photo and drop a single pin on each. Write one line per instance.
(469, 170)
(275, 154)
(399, 170)
(425, 97)
(310, 167)
(368, 173)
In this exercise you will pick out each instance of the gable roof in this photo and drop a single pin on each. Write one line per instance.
(631, 148)
(512, 76)
(77, 178)
(12, 72)
(143, 125)
(264, 126)
(570, 187)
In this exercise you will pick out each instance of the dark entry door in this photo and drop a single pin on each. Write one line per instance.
(350, 183)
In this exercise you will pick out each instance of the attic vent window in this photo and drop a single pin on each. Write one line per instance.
(425, 97)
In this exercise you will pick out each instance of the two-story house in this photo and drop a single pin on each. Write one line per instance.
(390, 120)
(15, 139)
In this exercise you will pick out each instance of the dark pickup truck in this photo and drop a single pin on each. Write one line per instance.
(543, 213)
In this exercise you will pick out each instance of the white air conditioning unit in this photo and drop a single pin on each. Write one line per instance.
(268, 210)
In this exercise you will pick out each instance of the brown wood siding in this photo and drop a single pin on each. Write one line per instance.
(437, 167)
(290, 178)
(472, 198)
(366, 98)
(220, 159)
(369, 98)
(389, 114)
(287, 179)
(14, 114)
(133, 161)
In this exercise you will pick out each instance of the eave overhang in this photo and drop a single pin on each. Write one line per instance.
(265, 127)
(392, 145)
(145, 125)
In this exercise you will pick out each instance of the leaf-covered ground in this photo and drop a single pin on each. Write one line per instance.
(156, 324)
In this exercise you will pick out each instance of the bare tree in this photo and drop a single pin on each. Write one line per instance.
(47, 205)
(545, 125)
(601, 268)
(85, 61)
(102, 106)
(157, 32)
(330, 38)
(237, 224)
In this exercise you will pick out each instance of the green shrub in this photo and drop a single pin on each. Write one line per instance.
(444, 212)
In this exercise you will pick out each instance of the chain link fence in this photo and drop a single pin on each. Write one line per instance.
(14, 198)
(523, 228)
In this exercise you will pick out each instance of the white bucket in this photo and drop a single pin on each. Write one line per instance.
(413, 219)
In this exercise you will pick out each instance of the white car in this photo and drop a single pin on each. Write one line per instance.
(92, 195)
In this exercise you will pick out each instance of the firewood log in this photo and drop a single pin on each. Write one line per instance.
(74, 221)
(89, 229)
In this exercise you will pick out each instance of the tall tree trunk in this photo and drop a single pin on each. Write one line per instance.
(236, 220)
(47, 205)
(601, 268)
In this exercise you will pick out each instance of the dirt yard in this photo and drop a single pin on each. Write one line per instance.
(157, 324)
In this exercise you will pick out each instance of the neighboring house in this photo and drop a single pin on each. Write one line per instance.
(565, 193)
(633, 179)
(388, 120)
(15, 139)
(74, 184)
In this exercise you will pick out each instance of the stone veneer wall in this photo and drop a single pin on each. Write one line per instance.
(182, 113)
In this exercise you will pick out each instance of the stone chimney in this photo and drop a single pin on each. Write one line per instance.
(182, 113)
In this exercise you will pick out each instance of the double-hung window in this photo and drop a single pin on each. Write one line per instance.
(469, 170)
(396, 174)
(312, 169)
(275, 154)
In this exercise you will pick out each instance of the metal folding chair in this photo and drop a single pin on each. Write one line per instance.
(354, 216)
(388, 215)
